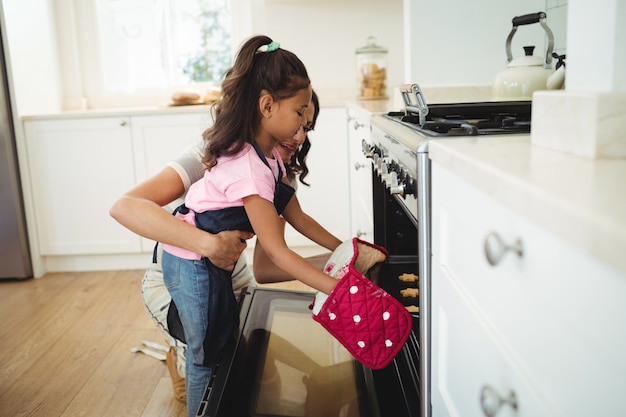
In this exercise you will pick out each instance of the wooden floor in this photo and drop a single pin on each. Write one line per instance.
(65, 343)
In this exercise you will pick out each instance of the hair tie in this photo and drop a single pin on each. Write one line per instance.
(272, 46)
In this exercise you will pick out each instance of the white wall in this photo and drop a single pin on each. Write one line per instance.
(326, 33)
(32, 55)
(557, 20)
(597, 45)
(466, 47)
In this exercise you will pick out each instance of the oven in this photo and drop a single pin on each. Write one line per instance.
(282, 363)
(401, 187)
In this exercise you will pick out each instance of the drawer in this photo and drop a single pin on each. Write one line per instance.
(471, 367)
(555, 309)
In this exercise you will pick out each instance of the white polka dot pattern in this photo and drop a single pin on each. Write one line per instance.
(372, 325)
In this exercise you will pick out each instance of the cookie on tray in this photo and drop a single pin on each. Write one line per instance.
(410, 292)
(413, 309)
(408, 277)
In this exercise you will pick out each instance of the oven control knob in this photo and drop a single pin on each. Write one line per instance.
(385, 173)
(409, 186)
(390, 179)
(397, 190)
(376, 161)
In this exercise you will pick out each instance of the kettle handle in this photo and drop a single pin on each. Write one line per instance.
(527, 19)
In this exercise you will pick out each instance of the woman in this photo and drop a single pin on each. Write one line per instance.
(140, 210)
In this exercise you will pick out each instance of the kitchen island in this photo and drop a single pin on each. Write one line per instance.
(528, 280)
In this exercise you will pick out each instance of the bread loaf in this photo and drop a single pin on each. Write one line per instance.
(181, 98)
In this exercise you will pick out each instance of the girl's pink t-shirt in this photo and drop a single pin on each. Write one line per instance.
(226, 184)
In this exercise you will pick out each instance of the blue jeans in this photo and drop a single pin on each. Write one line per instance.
(188, 283)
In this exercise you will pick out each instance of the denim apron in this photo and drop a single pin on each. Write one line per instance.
(223, 310)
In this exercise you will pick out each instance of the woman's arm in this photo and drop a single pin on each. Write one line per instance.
(140, 211)
(266, 224)
(308, 227)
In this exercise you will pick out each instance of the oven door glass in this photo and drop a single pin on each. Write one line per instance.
(286, 364)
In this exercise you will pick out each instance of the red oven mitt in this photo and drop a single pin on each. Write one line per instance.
(371, 324)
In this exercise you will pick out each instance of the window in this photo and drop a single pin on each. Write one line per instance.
(143, 47)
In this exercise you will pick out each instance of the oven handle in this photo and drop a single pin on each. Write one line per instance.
(419, 106)
(424, 272)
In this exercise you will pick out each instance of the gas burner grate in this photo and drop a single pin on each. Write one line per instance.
(469, 119)
(462, 119)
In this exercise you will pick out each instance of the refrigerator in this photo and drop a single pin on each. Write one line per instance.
(15, 261)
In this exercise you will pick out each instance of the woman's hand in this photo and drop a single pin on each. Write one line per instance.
(225, 248)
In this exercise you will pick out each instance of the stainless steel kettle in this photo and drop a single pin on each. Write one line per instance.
(526, 74)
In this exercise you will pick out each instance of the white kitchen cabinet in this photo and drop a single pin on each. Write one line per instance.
(544, 325)
(359, 130)
(157, 139)
(80, 166)
(327, 199)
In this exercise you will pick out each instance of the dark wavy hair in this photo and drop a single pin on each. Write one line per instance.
(297, 164)
(236, 113)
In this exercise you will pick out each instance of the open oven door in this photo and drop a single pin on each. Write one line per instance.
(285, 364)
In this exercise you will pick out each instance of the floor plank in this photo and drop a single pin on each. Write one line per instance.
(162, 403)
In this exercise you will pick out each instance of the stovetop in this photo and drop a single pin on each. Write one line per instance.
(468, 119)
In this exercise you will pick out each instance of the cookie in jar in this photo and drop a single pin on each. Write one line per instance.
(371, 71)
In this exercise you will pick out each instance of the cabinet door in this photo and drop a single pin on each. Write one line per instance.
(327, 200)
(472, 370)
(79, 167)
(159, 139)
(361, 209)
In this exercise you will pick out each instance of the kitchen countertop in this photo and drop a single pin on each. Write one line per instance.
(328, 98)
(580, 200)
(120, 112)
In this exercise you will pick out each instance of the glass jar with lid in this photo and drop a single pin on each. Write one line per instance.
(371, 65)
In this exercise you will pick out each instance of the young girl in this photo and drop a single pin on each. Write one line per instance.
(264, 96)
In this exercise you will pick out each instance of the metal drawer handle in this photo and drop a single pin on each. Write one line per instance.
(491, 401)
(356, 125)
(495, 248)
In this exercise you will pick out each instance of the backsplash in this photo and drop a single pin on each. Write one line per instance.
(557, 21)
